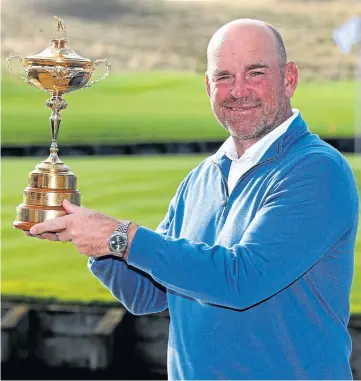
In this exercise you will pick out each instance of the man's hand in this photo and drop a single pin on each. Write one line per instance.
(87, 229)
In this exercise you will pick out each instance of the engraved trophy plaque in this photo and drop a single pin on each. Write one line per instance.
(57, 70)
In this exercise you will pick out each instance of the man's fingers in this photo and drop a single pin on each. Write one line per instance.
(40, 236)
(71, 208)
(50, 236)
(64, 237)
(26, 232)
(55, 225)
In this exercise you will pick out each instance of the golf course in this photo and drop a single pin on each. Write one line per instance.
(134, 188)
(155, 93)
(159, 106)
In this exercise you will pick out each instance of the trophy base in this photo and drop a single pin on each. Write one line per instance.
(26, 226)
(30, 215)
(49, 185)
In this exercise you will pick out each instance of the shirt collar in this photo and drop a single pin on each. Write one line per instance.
(257, 150)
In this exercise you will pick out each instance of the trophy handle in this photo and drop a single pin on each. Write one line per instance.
(10, 58)
(108, 67)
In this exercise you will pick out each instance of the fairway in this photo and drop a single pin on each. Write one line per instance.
(158, 106)
(134, 188)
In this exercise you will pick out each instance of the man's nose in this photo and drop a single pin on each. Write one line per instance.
(239, 88)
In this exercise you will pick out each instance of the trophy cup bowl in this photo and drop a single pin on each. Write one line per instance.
(56, 70)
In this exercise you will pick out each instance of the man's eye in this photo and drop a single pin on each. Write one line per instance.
(223, 78)
(256, 73)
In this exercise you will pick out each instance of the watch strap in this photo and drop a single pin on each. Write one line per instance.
(123, 226)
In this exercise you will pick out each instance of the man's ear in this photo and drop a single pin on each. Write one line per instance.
(291, 78)
(208, 86)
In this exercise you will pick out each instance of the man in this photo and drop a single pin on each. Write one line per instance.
(254, 258)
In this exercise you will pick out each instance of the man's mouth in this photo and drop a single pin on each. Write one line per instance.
(242, 108)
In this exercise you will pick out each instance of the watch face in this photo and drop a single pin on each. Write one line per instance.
(118, 242)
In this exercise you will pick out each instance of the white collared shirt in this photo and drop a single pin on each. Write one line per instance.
(253, 154)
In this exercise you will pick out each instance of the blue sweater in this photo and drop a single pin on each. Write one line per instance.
(258, 281)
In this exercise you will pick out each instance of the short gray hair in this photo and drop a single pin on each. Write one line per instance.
(280, 45)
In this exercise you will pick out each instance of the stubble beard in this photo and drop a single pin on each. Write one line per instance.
(263, 127)
(241, 130)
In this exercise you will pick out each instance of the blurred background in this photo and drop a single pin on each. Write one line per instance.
(153, 99)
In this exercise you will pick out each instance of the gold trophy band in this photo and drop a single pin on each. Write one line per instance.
(56, 70)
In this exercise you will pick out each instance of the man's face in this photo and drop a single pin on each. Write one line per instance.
(246, 84)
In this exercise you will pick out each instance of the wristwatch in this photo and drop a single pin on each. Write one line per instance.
(118, 241)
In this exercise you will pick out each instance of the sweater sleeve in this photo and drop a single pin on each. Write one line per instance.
(135, 289)
(304, 217)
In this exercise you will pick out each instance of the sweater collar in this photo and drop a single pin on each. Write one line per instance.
(297, 127)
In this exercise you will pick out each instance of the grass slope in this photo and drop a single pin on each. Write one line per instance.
(136, 107)
(134, 188)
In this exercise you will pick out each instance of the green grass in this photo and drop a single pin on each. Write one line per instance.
(131, 188)
(159, 106)
(134, 188)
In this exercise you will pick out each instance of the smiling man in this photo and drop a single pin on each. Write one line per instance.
(254, 259)
(250, 91)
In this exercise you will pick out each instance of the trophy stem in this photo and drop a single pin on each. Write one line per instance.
(55, 124)
(56, 103)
